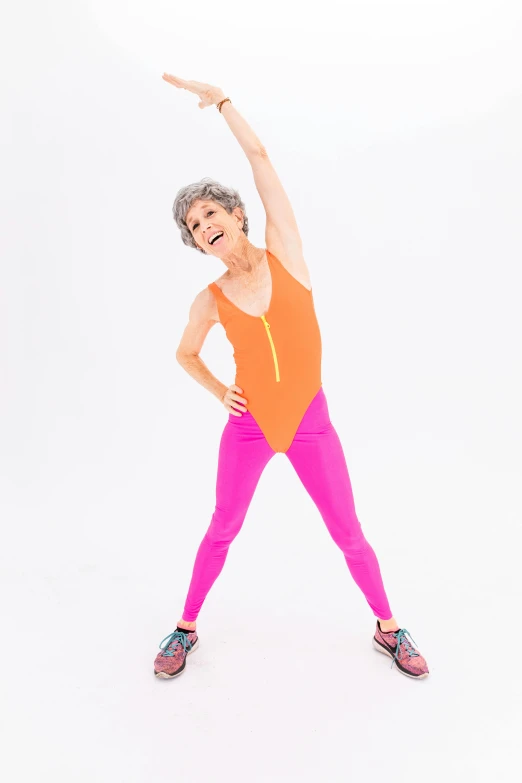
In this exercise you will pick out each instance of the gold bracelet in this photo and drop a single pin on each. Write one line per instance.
(220, 104)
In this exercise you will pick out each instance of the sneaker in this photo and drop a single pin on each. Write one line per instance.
(395, 644)
(172, 659)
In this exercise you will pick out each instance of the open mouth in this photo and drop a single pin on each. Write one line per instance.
(215, 240)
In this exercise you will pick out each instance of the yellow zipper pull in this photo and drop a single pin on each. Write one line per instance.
(267, 326)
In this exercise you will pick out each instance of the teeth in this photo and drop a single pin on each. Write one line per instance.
(214, 237)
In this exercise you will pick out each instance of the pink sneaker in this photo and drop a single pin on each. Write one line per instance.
(172, 659)
(395, 644)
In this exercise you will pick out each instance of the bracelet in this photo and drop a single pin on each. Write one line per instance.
(220, 104)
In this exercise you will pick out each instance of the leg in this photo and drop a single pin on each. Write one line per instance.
(318, 458)
(243, 454)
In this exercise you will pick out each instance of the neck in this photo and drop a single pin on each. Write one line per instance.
(243, 258)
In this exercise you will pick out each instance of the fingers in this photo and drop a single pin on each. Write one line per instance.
(231, 401)
(181, 83)
(171, 77)
(192, 86)
(231, 408)
(172, 80)
(200, 89)
(237, 397)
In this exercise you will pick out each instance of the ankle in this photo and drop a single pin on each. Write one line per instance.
(388, 626)
(188, 626)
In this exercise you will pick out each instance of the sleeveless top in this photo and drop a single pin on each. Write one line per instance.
(277, 355)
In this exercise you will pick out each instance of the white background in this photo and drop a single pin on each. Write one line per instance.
(395, 128)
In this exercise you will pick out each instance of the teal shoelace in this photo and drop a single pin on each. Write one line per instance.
(400, 635)
(176, 639)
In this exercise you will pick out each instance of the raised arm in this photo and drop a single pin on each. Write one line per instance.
(282, 236)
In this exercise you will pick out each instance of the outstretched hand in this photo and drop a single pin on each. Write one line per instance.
(207, 94)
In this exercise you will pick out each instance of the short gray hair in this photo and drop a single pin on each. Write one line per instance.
(205, 189)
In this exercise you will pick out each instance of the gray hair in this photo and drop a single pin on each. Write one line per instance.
(206, 188)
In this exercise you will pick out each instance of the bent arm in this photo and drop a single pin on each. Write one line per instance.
(194, 334)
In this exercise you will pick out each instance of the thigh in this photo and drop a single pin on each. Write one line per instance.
(318, 458)
(243, 454)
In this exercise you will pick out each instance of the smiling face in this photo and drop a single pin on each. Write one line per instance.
(214, 229)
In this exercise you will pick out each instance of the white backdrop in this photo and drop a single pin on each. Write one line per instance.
(395, 128)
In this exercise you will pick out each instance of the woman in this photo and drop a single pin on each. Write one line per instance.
(264, 301)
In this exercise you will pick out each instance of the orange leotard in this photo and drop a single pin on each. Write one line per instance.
(277, 355)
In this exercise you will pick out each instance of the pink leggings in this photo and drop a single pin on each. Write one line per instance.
(317, 456)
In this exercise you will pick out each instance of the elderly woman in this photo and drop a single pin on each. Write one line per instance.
(277, 404)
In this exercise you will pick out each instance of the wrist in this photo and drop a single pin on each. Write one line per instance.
(221, 391)
(225, 101)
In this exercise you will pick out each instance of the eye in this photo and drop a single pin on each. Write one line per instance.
(210, 212)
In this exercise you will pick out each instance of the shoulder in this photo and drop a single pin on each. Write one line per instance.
(204, 309)
(219, 282)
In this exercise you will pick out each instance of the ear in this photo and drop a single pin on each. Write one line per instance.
(238, 212)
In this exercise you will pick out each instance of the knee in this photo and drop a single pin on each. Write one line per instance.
(356, 548)
(352, 542)
(223, 528)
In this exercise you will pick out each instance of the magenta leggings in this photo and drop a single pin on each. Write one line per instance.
(317, 456)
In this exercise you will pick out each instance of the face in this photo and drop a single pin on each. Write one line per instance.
(206, 219)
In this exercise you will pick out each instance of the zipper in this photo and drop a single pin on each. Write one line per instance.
(267, 327)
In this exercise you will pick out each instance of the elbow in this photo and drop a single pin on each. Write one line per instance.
(258, 158)
(258, 153)
(183, 356)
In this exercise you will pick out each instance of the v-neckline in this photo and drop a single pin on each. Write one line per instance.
(249, 315)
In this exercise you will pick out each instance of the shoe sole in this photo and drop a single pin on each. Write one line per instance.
(165, 676)
(383, 650)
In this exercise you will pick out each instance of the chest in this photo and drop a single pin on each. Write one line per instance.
(252, 296)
